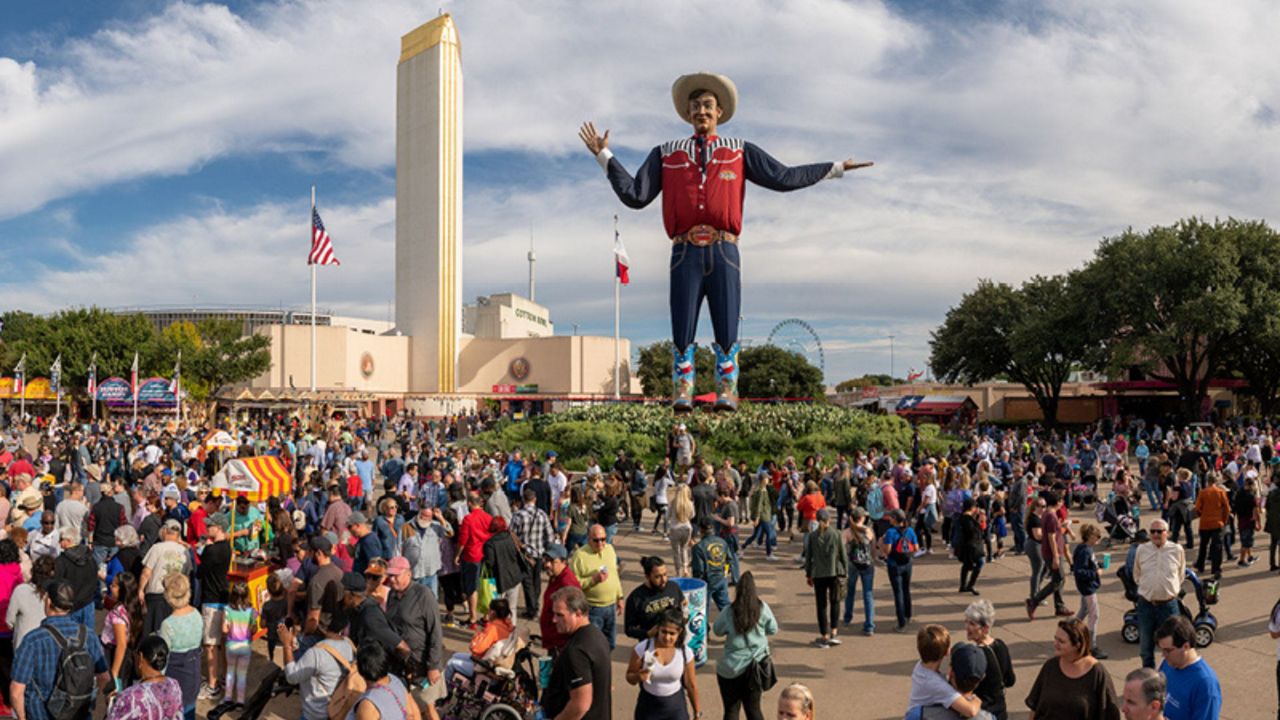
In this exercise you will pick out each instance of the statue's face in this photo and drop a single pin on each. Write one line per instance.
(704, 113)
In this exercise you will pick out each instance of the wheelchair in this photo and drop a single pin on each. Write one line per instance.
(496, 692)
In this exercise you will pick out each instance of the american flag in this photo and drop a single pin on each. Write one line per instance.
(321, 245)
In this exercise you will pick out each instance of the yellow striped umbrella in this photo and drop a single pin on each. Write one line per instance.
(258, 478)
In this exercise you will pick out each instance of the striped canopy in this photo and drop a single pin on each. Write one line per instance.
(258, 478)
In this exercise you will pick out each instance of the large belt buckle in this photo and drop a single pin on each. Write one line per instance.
(702, 235)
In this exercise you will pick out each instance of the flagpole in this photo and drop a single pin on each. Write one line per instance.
(93, 391)
(22, 397)
(134, 377)
(55, 373)
(311, 225)
(177, 389)
(617, 322)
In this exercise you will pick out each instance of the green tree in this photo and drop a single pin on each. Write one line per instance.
(78, 334)
(880, 380)
(1174, 301)
(1033, 335)
(654, 370)
(768, 371)
(226, 356)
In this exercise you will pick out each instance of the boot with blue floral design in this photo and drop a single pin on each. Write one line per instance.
(682, 376)
(726, 378)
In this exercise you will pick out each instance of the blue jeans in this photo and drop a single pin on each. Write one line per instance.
(900, 581)
(712, 273)
(767, 535)
(84, 616)
(717, 592)
(866, 574)
(1153, 495)
(732, 542)
(605, 619)
(430, 581)
(1150, 617)
(609, 532)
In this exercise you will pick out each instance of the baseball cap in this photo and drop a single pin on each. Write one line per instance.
(551, 453)
(171, 493)
(354, 582)
(556, 551)
(218, 520)
(321, 543)
(397, 565)
(357, 518)
(173, 525)
(968, 662)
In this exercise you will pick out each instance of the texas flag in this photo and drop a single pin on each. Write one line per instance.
(620, 256)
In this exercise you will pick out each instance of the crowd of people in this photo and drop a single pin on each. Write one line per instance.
(121, 556)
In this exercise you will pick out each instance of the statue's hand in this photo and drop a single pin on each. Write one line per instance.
(851, 165)
(594, 141)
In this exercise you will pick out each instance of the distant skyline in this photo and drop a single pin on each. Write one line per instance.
(161, 153)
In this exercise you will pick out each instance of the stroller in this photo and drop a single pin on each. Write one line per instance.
(1117, 516)
(1204, 622)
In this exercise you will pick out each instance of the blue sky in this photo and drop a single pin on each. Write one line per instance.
(158, 153)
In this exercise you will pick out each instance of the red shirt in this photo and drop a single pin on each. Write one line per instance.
(551, 638)
(809, 506)
(473, 532)
(196, 525)
(354, 486)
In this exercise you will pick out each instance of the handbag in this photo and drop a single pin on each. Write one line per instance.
(486, 590)
(763, 676)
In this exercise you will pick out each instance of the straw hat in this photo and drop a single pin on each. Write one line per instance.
(725, 91)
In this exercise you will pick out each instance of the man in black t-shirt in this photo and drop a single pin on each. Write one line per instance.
(581, 678)
(215, 563)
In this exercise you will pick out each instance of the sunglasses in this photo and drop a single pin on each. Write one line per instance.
(1157, 532)
(598, 539)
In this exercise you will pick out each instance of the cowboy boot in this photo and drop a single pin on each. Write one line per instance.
(726, 378)
(682, 376)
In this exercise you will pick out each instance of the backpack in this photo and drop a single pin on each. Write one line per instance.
(350, 687)
(72, 696)
(902, 549)
(859, 553)
(875, 502)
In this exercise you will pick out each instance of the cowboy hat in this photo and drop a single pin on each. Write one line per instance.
(725, 91)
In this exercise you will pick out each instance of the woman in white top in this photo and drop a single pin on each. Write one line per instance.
(663, 667)
(927, 513)
(662, 482)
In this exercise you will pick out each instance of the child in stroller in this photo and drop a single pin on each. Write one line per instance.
(1117, 515)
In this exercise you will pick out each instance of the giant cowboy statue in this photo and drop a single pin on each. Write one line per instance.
(703, 179)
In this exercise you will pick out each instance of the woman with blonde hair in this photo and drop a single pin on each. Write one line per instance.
(796, 703)
(681, 534)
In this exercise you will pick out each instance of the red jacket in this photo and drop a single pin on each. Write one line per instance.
(702, 180)
(551, 637)
(473, 532)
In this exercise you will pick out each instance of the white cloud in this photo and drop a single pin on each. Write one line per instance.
(1004, 148)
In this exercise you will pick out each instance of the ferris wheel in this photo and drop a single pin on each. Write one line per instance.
(799, 336)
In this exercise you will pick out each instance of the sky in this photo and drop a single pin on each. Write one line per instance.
(161, 153)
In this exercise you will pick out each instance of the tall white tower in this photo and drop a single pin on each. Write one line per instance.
(533, 278)
(429, 203)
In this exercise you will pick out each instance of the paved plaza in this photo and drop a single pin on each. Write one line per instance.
(869, 677)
